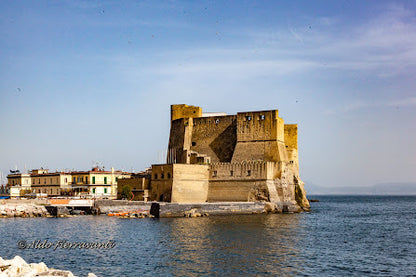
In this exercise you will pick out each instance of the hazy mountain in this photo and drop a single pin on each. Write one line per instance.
(399, 188)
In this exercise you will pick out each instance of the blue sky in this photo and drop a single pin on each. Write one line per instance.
(84, 81)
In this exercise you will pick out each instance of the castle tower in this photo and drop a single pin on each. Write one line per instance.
(260, 136)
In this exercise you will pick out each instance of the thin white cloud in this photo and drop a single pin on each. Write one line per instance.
(385, 46)
(362, 104)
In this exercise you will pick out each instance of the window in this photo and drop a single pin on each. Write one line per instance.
(105, 180)
(116, 179)
(74, 180)
(93, 179)
(248, 172)
(168, 175)
(214, 173)
(262, 117)
(93, 190)
(248, 118)
(193, 143)
(105, 190)
(217, 121)
(231, 173)
(155, 176)
(44, 181)
(66, 180)
(162, 176)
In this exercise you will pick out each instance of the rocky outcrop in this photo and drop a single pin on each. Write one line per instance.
(17, 267)
(22, 210)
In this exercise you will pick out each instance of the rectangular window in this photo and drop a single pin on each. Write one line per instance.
(248, 172)
(74, 180)
(231, 173)
(93, 179)
(105, 180)
(214, 173)
(93, 190)
(105, 190)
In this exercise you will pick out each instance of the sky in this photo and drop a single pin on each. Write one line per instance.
(83, 82)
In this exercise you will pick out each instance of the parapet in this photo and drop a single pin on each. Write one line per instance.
(184, 111)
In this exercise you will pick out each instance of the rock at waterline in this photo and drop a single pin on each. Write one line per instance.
(17, 267)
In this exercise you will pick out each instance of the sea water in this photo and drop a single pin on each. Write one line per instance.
(341, 236)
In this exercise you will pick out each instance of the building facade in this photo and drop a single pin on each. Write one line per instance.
(96, 183)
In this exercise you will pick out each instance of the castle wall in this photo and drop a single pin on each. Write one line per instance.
(245, 181)
(291, 142)
(190, 183)
(161, 182)
(214, 137)
(176, 147)
(180, 183)
(260, 136)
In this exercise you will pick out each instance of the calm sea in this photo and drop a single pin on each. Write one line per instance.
(342, 236)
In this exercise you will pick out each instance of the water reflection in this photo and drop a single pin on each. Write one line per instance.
(263, 244)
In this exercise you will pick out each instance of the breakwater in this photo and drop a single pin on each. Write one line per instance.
(23, 208)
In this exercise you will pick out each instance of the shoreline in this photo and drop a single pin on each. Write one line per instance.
(141, 209)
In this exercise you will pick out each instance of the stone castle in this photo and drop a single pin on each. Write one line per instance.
(251, 156)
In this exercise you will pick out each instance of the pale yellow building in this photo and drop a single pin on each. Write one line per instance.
(97, 183)
(51, 184)
(19, 184)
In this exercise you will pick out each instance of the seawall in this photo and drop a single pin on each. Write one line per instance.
(112, 206)
(160, 209)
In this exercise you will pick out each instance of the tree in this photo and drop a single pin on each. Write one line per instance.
(126, 192)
